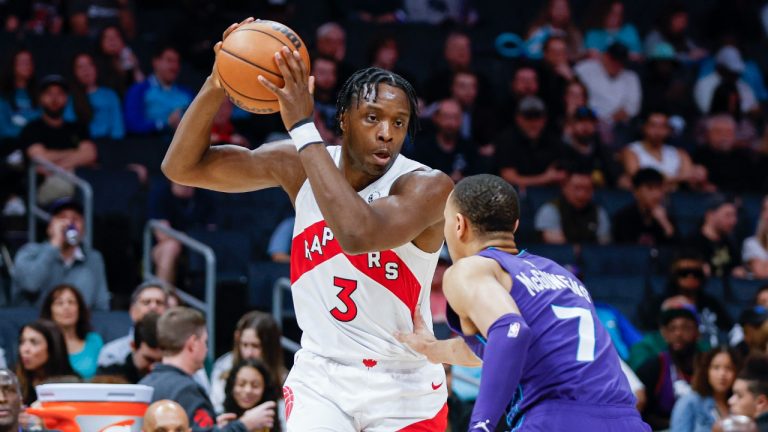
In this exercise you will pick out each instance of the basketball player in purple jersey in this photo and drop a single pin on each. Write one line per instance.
(546, 358)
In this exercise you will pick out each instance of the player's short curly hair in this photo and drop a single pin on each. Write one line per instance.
(489, 202)
(363, 85)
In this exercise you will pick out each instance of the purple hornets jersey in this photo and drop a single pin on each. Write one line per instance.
(571, 357)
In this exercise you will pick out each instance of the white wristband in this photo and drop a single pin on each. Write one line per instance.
(305, 135)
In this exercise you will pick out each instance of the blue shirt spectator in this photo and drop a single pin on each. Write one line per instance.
(279, 248)
(100, 107)
(158, 103)
(85, 362)
(608, 26)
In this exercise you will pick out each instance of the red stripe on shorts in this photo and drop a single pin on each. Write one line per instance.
(436, 423)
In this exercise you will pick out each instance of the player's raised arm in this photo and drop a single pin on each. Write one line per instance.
(192, 161)
(416, 201)
(475, 288)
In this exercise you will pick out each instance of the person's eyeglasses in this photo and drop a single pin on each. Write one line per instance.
(697, 273)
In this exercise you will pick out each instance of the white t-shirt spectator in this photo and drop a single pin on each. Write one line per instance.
(705, 90)
(752, 249)
(607, 95)
(548, 219)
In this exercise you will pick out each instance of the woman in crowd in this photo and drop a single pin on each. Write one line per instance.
(118, 65)
(674, 30)
(608, 26)
(257, 336)
(42, 356)
(97, 106)
(249, 386)
(713, 378)
(555, 18)
(65, 306)
(18, 94)
(754, 252)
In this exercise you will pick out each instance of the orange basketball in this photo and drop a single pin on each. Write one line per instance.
(249, 52)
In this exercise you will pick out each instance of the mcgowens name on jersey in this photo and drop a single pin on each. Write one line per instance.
(537, 281)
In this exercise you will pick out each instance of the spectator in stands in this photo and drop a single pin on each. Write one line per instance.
(44, 16)
(614, 91)
(607, 26)
(56, 140)
(165, 416)
(183, 338)
(182, 208)
(713, 378)
(584, 149)
(97, 106)
(646, 221)
(257, 336)
(150, 296)
(18, 93)
(554, 20)
(157, 104)
(686, 285)
(249, 386)
(384, 53)
(377, 11)
(523, 83)
(728, 69)
(574, 97)
(89, 17)
(653, 152)
(750, 391)
(65, 306)
(747, 337)
(729, 167)
(325, 72)
(39, 267)
(666, 84)
(715, 238)
(727, 100)
(755, 249)
(457, 57)
(527, 153)
(573, 217)
(10, 402)
(279, 248)
(118, 66)
(555, 74)
(672, 29)
(331, 42)
(478, 120)
(667, 377)
(223, 131)
(145, 352)
(42, 355)
(445, 149)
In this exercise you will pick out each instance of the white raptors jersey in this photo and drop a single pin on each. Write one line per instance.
(350, 306)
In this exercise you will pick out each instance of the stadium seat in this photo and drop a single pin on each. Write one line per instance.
(262, 276)
(232, 250)
(114, 191)
(622, 292)
(613, 200)
(615, 260)
(111, 325)
(561, 254)
(743, 290)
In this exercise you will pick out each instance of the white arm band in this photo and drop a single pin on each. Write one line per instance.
(305, 135)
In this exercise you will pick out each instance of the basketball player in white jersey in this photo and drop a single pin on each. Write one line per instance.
(365, 244)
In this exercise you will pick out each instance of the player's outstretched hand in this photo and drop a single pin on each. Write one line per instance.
(421, 339)
(295, 97)
(217, 47)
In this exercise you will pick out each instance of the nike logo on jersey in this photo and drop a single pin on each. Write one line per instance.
(480, 426)
(514, 330)
(435, 387)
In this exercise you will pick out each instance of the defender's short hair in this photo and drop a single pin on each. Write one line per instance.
(489, 202)
(176, 326)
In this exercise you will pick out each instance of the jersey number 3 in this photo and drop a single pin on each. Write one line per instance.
(586, 350)
(347, 286)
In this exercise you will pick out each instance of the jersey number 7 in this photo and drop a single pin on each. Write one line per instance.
(347, 286)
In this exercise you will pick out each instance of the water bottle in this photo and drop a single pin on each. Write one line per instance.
(72, 235)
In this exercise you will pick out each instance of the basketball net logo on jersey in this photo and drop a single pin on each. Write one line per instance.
(350, 306)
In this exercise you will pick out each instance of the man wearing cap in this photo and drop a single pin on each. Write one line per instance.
(66, 144)
(39, 267)
(527, 153)
(728, 68)
(614, 91)
(583, 148)
(668, 376)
